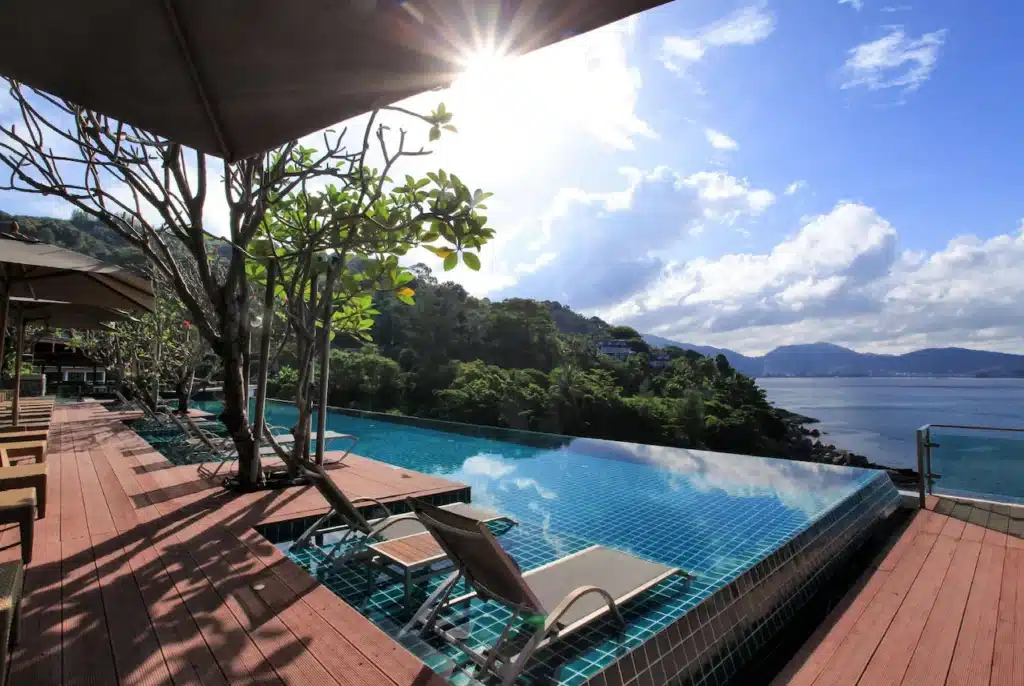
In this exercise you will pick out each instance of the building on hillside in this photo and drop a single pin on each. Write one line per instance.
(617, 349)
(659, 360)
(66, 369)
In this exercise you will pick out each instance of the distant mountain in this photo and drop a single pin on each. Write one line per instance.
(740, 362)
(827, 359)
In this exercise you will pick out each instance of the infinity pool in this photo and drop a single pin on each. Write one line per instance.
(715, 515)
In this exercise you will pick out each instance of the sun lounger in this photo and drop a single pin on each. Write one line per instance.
(18, 506)
(22, 449)
(12, 577)
(23, 436)
(26, 476)
(557, 599)
(358, 535)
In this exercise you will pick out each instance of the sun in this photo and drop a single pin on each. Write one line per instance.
(483, 63)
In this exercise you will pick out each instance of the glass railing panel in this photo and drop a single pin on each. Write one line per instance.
(977, 462)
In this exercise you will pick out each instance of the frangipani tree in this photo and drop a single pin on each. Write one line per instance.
(153, 350)
(155, 192)
(337, 247)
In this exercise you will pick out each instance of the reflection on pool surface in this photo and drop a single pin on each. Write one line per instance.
(715, 515)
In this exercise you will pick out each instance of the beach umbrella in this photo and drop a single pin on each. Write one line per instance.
(34, 271)
(235, 79)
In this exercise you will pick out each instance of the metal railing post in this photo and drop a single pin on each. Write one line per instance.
(928, 457)
(921, 441)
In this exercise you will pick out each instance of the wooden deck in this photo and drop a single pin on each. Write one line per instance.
(944, 605)
(145, 574)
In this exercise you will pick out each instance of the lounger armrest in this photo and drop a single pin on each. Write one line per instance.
(366, 498)
(570, 600)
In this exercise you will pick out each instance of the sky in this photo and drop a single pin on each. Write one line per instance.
(753, 175)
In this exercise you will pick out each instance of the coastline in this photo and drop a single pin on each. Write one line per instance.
(805, 445)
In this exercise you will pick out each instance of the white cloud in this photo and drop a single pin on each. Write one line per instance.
(719, 140)
(725, 198)
(855, 4)
(594, 248)
(894, 61)
(840, 278)
(746, 26)
(896, 8)
(796, 187)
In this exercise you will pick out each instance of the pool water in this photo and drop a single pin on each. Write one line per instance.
(714, 515)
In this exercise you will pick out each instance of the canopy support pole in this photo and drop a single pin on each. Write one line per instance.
(325, 364)
(259, 421)
(17, 368)
(5, 303)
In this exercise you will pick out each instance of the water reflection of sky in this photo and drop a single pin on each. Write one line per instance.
(712, 513)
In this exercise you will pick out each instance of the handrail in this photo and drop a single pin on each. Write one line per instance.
(969, 426)
(924, 452)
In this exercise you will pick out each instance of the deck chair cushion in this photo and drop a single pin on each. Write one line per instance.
(408, 525)
(620, 574)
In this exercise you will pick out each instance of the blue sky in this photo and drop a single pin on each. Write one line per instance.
(751, 175)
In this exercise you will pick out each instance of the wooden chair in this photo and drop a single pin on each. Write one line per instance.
(26, 476)
(19, 507)
(9, 452)
(12, 580)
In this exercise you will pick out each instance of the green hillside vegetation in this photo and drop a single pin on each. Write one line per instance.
(517, 363)
(533, 365)
(81, 233)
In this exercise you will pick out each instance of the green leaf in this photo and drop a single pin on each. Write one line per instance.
(443, 253)
(451, 262)
(407, 299)
(435, 133)
(471, 261)
(450, 127)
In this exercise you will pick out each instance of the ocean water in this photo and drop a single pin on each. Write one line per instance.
(879, 418)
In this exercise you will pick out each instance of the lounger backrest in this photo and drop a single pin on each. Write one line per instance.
(476, 552)
(337, 499)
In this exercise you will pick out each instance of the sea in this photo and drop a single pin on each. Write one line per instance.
(878, 417)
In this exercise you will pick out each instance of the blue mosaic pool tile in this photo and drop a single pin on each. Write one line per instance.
(761, 535)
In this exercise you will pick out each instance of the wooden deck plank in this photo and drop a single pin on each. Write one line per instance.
(891, 659)
(1005, 656)
(143, 575)
(935, 649)
(972, 657)
(960, 622)
(854, 653)
(137, 655)
(86, 653)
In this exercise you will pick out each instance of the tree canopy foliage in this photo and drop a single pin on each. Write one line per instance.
(534, 365)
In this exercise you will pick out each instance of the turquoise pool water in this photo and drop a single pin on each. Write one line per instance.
(712, 514)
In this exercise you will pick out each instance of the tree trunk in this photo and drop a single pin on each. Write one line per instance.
(183, 389)
(236, 396)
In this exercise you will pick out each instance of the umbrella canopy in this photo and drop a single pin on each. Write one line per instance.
(60, 315)
(84, 289)
(234, 79)
(38, 271)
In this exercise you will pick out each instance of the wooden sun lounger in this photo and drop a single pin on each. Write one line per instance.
(18, 506)
(24, 436)
(21, 449)
(12, 577)
(565, 595)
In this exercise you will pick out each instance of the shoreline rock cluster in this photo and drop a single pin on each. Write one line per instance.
(805, 445)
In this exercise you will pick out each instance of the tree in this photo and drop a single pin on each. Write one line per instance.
(627, 333)
(339, 247)
(153, 350)
(521, 334)
(154, 192)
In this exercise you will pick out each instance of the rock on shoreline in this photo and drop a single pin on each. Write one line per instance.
(804, 445)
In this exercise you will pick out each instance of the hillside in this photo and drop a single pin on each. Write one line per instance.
(80, 233)
(826, 359)
(86, 235)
